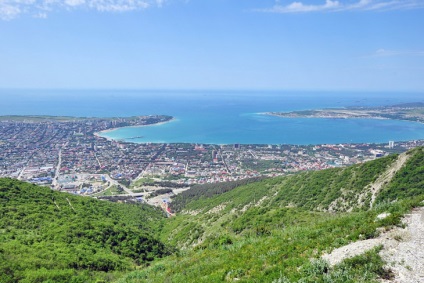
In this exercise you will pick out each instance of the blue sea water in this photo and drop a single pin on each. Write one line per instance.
(222, 117)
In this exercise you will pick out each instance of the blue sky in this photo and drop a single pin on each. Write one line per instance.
(373, 45)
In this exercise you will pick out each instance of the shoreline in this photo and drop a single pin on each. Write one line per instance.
(339, 118)
(284, 115)
(99, 134)
(132, 138)
(388, 113)
(343, 113)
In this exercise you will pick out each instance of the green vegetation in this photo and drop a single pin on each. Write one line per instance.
(124, 182)
(261, 165)
(269, 230)
(142, 182)
(409, 181)
(267, 245)
(151, 182)
(113, 190)
(340, 186)
(206, 191)
(310, 190)
(47, 235)
(160, 192)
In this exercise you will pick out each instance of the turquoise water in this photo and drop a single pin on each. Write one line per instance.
(222, 117)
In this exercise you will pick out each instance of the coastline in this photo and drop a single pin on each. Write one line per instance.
(139, 138)
(410, 112)
(284, 115)
(337, 117)
(99, 134)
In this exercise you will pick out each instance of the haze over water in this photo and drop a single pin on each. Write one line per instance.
(222, 117)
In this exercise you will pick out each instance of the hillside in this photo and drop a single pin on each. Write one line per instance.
(276, 230)
(270, 230)
(48, 235)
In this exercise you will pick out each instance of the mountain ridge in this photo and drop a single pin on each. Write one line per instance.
(273, 212)
(271, 230)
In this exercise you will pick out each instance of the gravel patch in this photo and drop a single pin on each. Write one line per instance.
(405, 254)
(403, 249)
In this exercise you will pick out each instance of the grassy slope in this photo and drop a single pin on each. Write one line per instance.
(196, 192)
(50, 235)
(268, 231)
(409, 181)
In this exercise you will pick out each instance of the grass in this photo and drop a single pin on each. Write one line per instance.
(111, 191)
(50, 236)
(274, 230)
(270, 249)
(228, 237)
(142, 182)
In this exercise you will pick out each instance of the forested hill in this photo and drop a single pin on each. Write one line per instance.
(272, 230)
(48, 235)
(338, 189)
(276, 230)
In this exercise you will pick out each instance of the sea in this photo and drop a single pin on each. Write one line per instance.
(223, 116)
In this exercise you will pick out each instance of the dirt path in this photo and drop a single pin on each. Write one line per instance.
(403, 249)
(371, 191)
(405, 257)
(387, 176)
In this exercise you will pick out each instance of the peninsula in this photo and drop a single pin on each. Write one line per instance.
(408, 112)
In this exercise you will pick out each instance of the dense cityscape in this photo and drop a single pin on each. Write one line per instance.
(68, 155)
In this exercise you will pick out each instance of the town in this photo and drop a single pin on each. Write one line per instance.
(68, 155)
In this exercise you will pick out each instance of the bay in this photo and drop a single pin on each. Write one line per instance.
(222, 117)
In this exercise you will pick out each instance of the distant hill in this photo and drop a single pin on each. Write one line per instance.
(47, 235)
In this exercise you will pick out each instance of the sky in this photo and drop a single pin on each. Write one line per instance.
(350, 45)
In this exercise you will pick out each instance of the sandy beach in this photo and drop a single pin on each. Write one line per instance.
(99, 134)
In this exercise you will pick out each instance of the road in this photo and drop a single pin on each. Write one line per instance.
(126, 195)
(225, 162)
(21, 173)
(57, 172)
(98, 161)
(114, 182)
